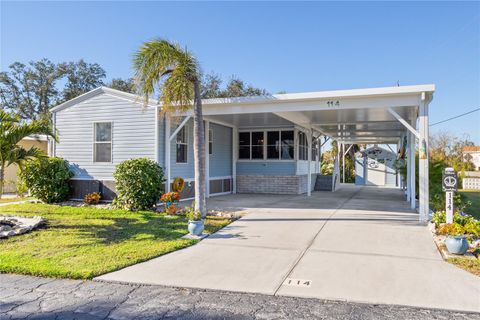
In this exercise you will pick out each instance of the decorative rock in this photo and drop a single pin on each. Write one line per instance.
(12, 226)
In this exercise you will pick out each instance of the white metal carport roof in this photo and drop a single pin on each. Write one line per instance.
(359, 116)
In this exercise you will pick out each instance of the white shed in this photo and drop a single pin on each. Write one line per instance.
(375, 166)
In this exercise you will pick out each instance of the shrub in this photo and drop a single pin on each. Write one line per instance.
(139, 183)
(192, 214)
(47, 179)
(170, 197)
(451, 229)
(92, 198)
(472, 228)
(461, 218)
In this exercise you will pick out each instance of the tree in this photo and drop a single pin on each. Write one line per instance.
(125, 85)
(31, 90)
(211, 88)
(12, 131)
(174, 72)
(81, 78)
(447, 148)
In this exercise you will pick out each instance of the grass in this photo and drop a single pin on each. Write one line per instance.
(84, 242)
(470, 265)
(7, 200)
(474, 197)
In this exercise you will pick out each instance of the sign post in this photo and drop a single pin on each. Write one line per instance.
(449, 186)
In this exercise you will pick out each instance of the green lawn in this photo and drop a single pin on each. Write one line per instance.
(474, 197)
(470, 265)
(6, 200)
(83, 242)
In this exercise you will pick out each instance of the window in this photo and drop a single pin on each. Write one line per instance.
(244, 145)
(314, 149)
(250, 145)
(210, 141)
(182, 145)
(287, 145)
(277, 144)
(273, 145)
(102, 145)
(280, 145)
(302, 146)
(257, 145)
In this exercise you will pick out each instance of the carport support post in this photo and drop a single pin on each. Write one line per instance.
(343, 163)
(234, 158)
(423, 156)
(207, 157)
(411, 165)
(409, 169)
(167, 152)
(309, 172)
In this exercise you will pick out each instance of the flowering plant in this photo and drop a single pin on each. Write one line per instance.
(170, 197)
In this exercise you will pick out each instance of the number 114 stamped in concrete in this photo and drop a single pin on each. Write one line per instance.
(297, 282)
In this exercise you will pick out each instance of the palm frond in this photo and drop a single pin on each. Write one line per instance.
(166, 67)
(20, 155)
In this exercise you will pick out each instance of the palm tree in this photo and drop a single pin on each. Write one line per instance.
(12, 131)
(173, 71)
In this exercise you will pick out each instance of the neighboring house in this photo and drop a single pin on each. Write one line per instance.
(375, 166)
(11, 178)
(472, 153)
(255, 144)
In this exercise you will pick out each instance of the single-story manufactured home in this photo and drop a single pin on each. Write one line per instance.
(11, 172)
(264, 144)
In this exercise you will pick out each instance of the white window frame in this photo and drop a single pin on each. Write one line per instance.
(265, 138)
(182, 143)
(95, 142)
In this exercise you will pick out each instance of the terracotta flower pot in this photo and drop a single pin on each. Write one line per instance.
(171, 209)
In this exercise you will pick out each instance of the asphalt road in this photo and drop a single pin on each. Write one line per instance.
(25, 297)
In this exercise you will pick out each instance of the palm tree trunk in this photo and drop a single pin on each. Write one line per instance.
(199, 152)
(2, 177)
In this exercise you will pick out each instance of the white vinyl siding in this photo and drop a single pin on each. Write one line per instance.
(133, 133)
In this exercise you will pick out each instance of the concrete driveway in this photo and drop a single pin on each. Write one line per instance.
(360, 244)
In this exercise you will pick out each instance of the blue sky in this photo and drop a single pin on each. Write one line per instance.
(286, 46)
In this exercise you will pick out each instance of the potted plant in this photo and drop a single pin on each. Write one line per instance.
(195, 221)
(456, 241)
(169, 199)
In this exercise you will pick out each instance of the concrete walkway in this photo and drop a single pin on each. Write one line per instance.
(357, 244)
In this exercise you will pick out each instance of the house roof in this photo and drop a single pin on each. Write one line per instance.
(471, 148)
(372, 115)
(36, 137)
(276, 98)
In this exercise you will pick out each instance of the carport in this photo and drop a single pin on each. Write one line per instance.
(361, 116)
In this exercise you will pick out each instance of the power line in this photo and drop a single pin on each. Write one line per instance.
(461, 115)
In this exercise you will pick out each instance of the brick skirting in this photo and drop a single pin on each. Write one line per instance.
(273, 184)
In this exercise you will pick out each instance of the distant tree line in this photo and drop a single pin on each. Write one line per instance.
(31, 90)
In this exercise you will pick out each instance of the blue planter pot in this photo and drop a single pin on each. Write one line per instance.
(195, 227)
(457, 245)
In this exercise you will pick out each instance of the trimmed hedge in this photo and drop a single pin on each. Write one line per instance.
(47, 179)
(139, 184)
